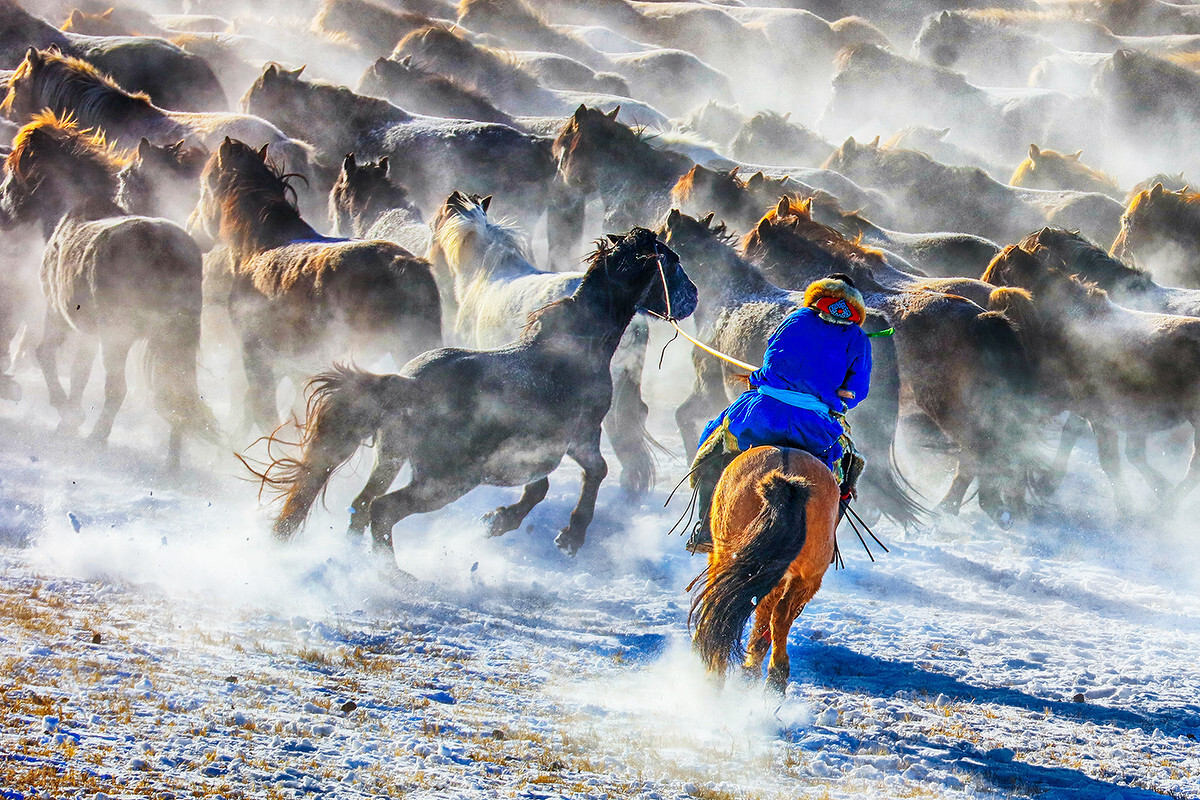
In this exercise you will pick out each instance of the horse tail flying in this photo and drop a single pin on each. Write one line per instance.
(741, 580)
(345, 407)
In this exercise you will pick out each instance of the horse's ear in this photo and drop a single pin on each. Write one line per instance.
(1156, 191)
(296, 73)
(106, 14)
(874, 142)
(613, 114)
(787, 115)
(144, 148)
(1034, 152)
(262, 153)
(755, 179)
(614, 238)
(673, 218)
(270, 73)
(941, 134)
(384, 163)
(349, 163)
(944, 16)
(33, 56)
(783, 206)
(1076, 155)
(849, 146)
(708, 218)
(733, 172)
(485, 203)
(580, 112)
(764, 226)
(806, 206)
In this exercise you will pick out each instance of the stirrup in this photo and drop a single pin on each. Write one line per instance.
(701, 539)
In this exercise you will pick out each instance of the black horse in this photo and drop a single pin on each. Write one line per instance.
(504, 417)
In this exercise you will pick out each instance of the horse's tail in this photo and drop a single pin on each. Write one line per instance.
(875, 423)
(741, 580)
(345, 407)
(171, 352)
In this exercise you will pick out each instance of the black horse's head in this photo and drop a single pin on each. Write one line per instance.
(639, 265)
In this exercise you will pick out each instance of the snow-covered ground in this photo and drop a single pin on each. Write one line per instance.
(156, 642)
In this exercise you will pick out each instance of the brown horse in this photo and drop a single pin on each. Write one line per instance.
(66, 85)
(300, 295)
(774, 516)
(1120, 370)
(1161, 230)
(1050, 169)
(963, 368)
(114, 278)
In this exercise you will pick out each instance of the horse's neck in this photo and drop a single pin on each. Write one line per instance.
(499, 263)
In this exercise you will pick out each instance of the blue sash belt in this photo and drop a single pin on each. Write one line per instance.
(803, 400)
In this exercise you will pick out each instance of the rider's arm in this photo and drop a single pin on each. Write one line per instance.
(858, 373)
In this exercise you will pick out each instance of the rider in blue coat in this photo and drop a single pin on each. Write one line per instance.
(817, 364)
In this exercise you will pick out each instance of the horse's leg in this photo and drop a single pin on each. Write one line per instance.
(1108, 447)
(509, 518)
(1135, 451)
(702, 403)
(81, 371)
(587, 455)
(963, 476)
(759, 643)
(418, 497)
(1192, 478)
(388, 462)
(1073, 429)
(55, 333)
(114, 352)
(625, 422)
(798, 593)
(261, 384)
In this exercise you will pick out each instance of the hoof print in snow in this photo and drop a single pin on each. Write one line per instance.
(441, 697)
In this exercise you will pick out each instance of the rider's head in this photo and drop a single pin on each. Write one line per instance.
(836, 300)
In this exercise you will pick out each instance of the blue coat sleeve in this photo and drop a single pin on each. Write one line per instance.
(858, 373)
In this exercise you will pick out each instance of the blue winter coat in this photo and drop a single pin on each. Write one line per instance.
(804, 354)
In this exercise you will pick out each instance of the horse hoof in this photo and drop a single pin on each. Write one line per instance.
(497, 524)
(568, 542)
(777, 681)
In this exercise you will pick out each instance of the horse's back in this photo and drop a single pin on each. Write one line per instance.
(121, 265)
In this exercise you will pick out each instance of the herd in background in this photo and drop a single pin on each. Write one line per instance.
(1008, 194)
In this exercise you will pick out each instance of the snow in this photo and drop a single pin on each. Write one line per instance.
(155, 641)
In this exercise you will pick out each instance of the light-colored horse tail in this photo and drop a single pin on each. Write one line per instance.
(345, 407)
(737, 582)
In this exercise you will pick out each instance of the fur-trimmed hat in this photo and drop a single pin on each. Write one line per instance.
(836, 300)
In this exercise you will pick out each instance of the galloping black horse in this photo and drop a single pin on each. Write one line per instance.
(504, 417)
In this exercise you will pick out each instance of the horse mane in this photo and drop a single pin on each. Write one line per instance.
(873, 59)
(434, 43)
(90, 154)
(1057, 163)
(258, 204)
(1077, 256)
(463, 216)
(796, 218)
(69, 82)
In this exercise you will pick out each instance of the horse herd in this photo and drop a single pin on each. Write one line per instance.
(447, 198)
